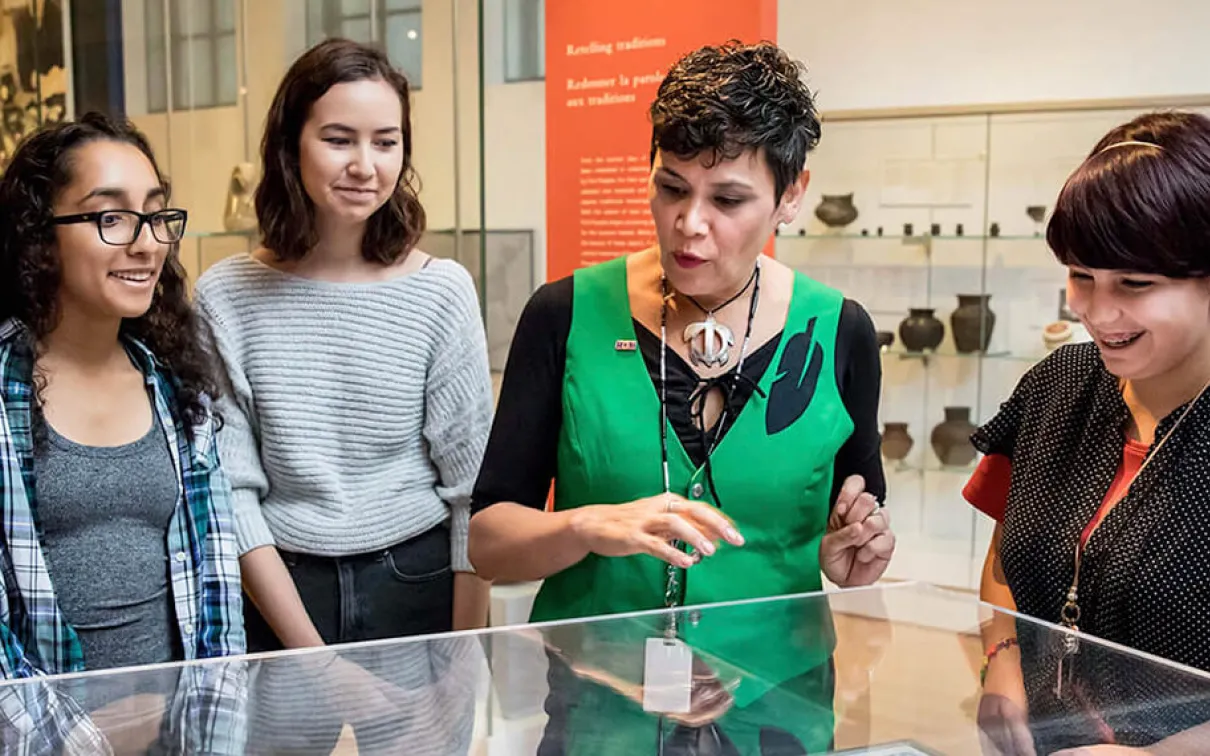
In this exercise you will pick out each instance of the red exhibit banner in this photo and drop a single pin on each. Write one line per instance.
(605, 60)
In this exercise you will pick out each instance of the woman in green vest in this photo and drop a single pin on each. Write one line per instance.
(709, 419)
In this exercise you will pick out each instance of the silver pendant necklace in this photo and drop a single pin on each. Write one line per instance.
(710, 341)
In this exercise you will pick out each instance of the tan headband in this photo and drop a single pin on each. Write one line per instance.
(1134, 142)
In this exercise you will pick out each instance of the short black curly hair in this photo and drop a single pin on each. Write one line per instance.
(30, 274)
(727, 99)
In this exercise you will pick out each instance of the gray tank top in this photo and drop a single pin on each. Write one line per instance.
(104, 514)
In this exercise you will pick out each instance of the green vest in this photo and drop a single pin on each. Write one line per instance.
(774, 482)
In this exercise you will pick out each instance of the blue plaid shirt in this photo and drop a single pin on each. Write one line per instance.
(36, 641)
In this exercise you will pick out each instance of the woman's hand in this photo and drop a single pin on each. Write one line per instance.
(859, 543)
(648, 526)
(1003, 715)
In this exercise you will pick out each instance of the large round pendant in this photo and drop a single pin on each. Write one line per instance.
(709, 343)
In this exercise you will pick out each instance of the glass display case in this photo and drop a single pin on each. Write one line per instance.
(891, 671)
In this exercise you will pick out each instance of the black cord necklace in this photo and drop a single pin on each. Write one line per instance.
(672, 588)
(710, 341)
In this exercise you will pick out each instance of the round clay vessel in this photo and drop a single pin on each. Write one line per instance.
(896, 441)
(951, 439)
(973, 323)
(921, 330)
(836, 210)
(885, 339)
(1056, 334)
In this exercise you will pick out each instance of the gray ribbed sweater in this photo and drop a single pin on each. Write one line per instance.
(356, 413)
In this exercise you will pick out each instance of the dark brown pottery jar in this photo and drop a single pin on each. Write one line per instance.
(973, 323)
(921, 330)
(952, 439)
(836, 210)
(896, 441)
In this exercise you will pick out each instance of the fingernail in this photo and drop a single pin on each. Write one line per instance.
(733, 536)
(706, 548)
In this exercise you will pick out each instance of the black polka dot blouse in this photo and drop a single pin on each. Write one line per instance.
(1145, 574)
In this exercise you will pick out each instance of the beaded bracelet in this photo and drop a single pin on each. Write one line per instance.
(991, 654)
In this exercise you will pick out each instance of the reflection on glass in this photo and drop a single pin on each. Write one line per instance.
(357, 29)
(203, 54)
(891, 670)
(227, 75)
(198, 65)
(355, 7)
(196, 15)
(524, 40)
(396, 23)
(404, 43)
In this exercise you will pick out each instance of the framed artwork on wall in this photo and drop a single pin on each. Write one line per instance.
(33, 69)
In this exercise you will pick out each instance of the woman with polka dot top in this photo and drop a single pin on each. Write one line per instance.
(1097, 467)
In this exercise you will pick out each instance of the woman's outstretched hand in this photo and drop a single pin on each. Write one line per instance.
(649, 526)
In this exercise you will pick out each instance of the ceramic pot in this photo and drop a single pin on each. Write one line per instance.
(972, 323)
(836, 210)
(1062, 332)
(896, 441)
(1056, 334)
(885, 339)
(951, 439)
(921, 330)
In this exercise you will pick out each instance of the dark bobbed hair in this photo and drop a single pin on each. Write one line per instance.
(725, 100)
(30, 273)
(1140, 201)
(284, 211)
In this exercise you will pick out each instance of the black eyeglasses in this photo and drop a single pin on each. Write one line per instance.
(122, 227)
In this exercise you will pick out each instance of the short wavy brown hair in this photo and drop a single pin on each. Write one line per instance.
(283, 209)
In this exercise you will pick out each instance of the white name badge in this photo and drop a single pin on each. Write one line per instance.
(667, 676)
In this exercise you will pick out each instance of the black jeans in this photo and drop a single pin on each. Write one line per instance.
(407, 589)
(404, 590)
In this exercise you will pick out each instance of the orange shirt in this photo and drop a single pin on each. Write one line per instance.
(987, 489)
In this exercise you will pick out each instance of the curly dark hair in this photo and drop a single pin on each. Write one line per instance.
(1140, 201)
(30, 274)
(284, 211)
(724, 100)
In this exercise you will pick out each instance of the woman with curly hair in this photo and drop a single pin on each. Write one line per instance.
(118, 543)
(708, 417)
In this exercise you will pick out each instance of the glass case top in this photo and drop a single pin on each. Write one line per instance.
(892, 670)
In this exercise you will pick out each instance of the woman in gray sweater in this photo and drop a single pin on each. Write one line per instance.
(360, 397)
